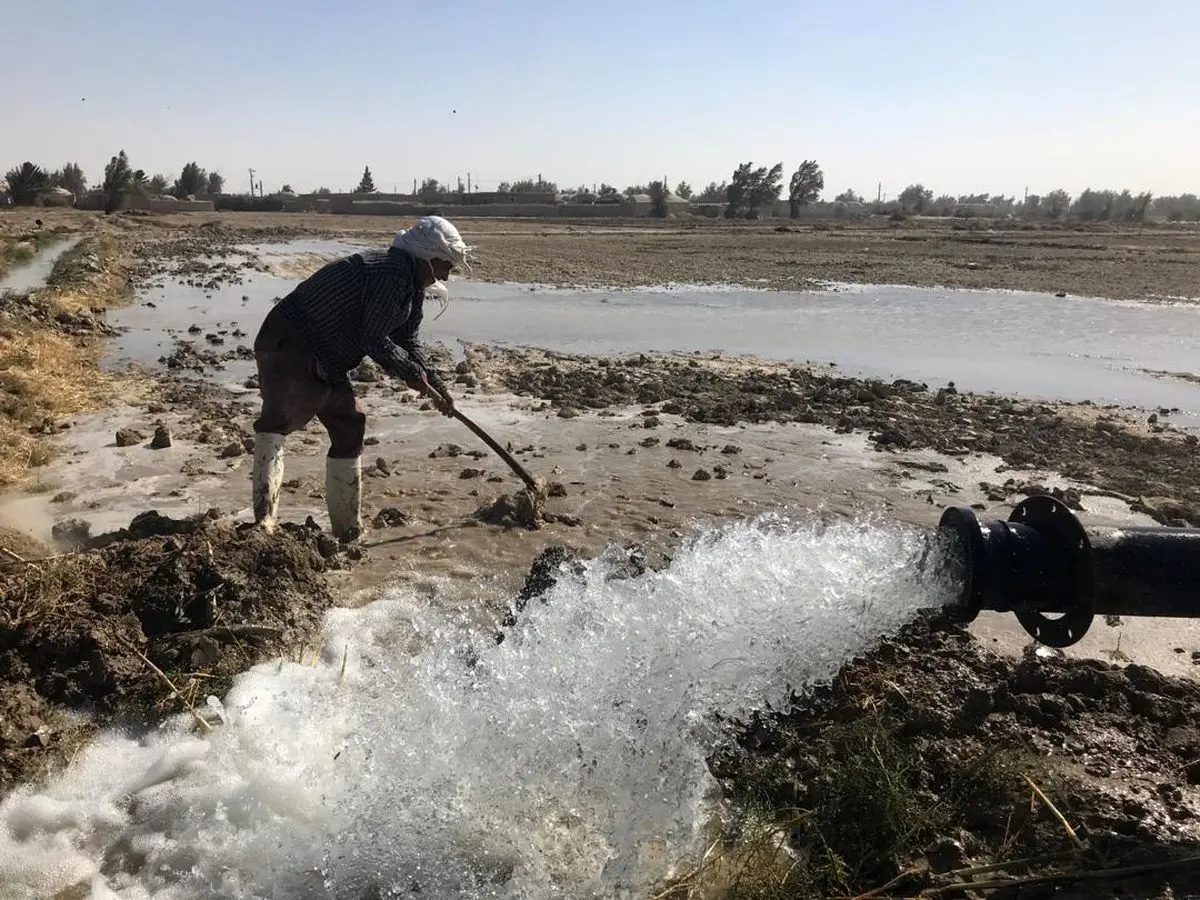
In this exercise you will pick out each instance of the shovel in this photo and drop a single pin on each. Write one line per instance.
(529, 480)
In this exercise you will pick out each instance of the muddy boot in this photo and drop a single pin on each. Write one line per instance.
(343, 497)
(267, 479)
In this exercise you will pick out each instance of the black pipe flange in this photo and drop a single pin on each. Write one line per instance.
(1055, 521)
(1035, 565)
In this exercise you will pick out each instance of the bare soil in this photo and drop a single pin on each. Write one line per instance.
(920, 763)
(147, 621)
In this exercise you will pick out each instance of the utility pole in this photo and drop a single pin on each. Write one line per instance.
(251, 182)
(468, 182)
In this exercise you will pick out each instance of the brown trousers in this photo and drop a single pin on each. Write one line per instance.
(294, 389)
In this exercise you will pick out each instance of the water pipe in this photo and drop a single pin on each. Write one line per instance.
(1056, 575)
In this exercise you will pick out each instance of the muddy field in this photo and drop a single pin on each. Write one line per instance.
(916, 740)
(1098, 260)
(1148, 464)
(934, 767)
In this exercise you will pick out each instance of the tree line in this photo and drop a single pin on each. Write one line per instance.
(746, 194)
(29, 183)
(752, 189)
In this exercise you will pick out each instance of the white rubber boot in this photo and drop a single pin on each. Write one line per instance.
(343, 497)
(267, 479)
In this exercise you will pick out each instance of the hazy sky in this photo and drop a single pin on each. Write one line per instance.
(962, 95)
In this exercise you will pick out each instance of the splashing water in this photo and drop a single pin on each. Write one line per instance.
(419, 755)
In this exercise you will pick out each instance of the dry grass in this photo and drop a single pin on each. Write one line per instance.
(44, 376)
(46, 372)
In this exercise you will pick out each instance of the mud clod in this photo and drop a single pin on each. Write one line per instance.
(390, 517)
(129, 437)
(193, 596)
(521, 509)
(162, 438)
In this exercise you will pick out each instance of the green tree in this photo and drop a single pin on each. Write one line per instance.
(1056, 203)
(26, 183)
(191, 182)
(157, 184)
(915, 198)
(713, 193)
(848, 196)
(683, 190)
(751, 189)
(532, 186)
(366, 184)
(658, 199)
(807, 183)
(430, 190)
(944, 205)
(71, 177)
(118, 182)
(216, 183)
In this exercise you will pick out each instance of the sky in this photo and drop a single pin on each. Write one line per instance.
(963, 96)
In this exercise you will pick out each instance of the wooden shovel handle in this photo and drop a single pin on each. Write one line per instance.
(500, 451)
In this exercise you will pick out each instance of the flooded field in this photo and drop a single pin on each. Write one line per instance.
(1032, 345)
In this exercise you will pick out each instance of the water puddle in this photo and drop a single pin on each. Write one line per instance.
(31, 275)
(1032, 345)
(568, 761)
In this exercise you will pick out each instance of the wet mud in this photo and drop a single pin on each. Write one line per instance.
(1148, 463)
(129, 626)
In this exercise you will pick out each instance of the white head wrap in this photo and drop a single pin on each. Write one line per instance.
(433, 237)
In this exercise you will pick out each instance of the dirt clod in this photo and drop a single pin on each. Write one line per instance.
(129, 437)
(390, 517)
(520, 509)
(196, 597)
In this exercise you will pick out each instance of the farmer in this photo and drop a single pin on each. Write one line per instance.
(367, 304)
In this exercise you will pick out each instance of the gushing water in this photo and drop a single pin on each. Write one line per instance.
(420, 756)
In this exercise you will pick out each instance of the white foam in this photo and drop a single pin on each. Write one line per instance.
(568, 761)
